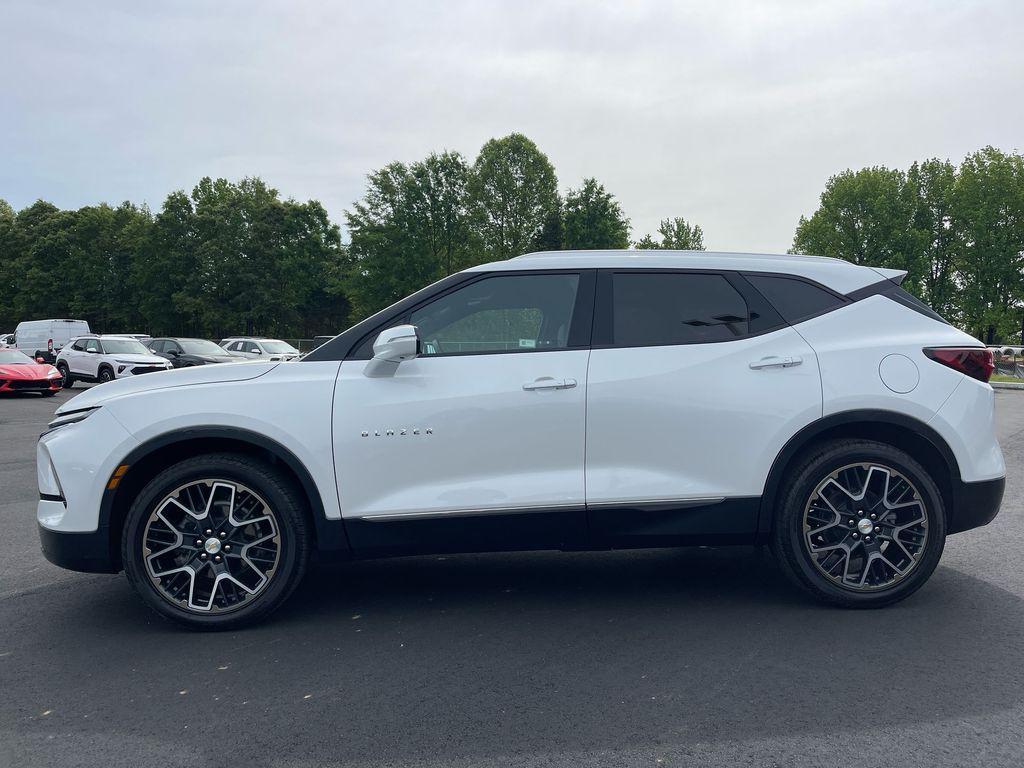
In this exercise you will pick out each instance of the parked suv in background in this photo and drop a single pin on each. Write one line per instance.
(260, 349)
(563, 400)
(185, 353)
(105, 358)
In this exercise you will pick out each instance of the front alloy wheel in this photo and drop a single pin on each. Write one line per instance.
(211, 545)
(861, 524)
(217, 541)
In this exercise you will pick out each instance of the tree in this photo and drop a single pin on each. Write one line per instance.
(932, 235)
(513, 189)
(594, 219)
(412, 227)
(676, 234)
(552, 232)
(988, 206)
(863, 217)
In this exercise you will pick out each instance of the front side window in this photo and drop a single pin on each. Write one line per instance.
(503, 313)
(157, 346)
(91, 345)
(251, 347)
(653, 309)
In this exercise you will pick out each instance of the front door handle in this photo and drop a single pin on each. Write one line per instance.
(546, 382)
(775, 361)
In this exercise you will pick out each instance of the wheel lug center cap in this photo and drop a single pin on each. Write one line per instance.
(864, 525)
(212, 545)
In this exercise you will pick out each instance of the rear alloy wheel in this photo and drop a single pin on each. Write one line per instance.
(66, 379)
(216, 541)
(862, 524)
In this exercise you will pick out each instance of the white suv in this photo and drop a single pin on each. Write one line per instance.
(105, 358)
(273, 350)
(564, 400)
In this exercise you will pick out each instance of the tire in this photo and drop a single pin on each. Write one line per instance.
(277, 551)
(106, 374)
(67, 380)
(851, 559)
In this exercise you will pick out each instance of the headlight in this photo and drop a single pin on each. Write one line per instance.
(46, 475)
(71, 417)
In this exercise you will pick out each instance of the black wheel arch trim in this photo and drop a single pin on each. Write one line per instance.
(331, 535)
(815, 429)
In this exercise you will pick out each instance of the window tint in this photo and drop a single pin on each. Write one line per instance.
(665, 308)
(157, 346)
(795, 299)
(79, 346)
(92, 344)
(498, 314)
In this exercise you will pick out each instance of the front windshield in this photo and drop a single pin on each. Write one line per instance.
(124, 347)
(14, 357)
(279, 347)
(201, 347)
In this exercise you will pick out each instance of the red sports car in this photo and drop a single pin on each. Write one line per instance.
(20, 373)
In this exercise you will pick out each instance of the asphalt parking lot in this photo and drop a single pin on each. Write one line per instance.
(661, 657)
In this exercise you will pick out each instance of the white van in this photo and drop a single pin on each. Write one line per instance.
(45, 338)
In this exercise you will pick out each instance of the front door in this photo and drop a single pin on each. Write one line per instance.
(478, 443)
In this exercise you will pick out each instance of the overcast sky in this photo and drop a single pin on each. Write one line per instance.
(732, 115)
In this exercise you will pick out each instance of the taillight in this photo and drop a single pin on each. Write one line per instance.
(49, 345)
(976, 362)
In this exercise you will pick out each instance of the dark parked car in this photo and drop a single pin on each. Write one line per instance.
(184, 353)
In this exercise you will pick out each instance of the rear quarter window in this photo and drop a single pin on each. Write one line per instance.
(795, 299)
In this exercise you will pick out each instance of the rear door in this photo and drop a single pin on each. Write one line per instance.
(695, 385)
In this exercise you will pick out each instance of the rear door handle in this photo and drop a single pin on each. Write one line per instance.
(775, 361)
(546, 382)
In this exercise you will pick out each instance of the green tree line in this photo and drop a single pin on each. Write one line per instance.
(232, 258)
(957, 230)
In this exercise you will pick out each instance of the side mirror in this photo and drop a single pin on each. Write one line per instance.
(92, 351)
(393, 346)
(173, 352)
(257, 351)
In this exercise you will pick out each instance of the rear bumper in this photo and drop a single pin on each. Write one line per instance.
(975, 504)
(86, 552)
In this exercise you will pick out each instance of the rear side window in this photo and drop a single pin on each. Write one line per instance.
(795, 299)
(653, 309)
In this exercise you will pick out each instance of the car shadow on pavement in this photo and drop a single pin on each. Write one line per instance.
(484, 656)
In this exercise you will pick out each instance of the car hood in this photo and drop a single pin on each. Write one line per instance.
(25, 371)
(182, 377)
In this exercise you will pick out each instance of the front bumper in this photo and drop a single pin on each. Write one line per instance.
(975, 504)
(88, 552)
(29, 385)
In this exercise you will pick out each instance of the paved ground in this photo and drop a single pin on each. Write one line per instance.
(663, 657)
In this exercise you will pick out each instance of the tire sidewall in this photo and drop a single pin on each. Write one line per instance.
(106, 375)
(266, 482)
(65, 373)
(790, 536)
